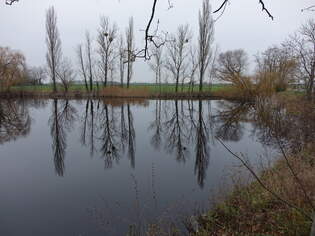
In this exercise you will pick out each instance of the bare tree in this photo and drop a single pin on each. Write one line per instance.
(89, 58)
(112, 70)
(82, 65)
(231, 67)
(156, 65)
(149, 38)
(205, 40)
(303, 45)
(66, 74)
(275, 68)
(122, 58)
(53, 43)
(36, 75)
(12, 68)
(177, 53)
(106, 35)
(40, 74)
(192, 68)
(130, 50)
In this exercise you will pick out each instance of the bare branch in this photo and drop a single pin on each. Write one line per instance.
(222, 6)
(265, 9)
(262, 184)
(224, 3)
(310, 8)
(10, 2)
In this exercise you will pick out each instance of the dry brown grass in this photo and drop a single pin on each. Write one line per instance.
(115, 91)
(123, 101)
(251, 210)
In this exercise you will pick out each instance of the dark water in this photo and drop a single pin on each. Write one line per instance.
(95, 168)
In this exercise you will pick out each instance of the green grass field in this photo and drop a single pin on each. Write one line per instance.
(152, 88)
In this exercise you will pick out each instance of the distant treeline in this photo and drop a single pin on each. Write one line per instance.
(176, 58)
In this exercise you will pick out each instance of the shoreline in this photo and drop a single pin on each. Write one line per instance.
(216, 95)
(250, 209)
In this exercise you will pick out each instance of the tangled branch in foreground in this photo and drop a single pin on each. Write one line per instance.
(10, 2)
(261, 2)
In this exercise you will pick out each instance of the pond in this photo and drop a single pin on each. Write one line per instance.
(92, 167)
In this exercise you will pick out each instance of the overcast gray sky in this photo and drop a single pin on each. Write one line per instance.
(243, 25)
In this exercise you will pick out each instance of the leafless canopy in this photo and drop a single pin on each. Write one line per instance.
(231, 64)
(302, 44)
(66, 73)
(231, 67)
(177, 53)
(107, 34)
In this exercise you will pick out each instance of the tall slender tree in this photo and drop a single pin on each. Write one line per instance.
(122, 58)
(82, 65)
(53, 42)
(106, 35)
(205, 40)
(130, 50)
(89, 58)
(156, 65)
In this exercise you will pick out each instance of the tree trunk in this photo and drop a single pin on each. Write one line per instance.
(313, 227)
(128, 72)
(176, 85)
(86, 84)
(54, 76)
(201, 79)
(106, 73)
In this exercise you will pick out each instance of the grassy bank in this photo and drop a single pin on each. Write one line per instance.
(164, 91)
(253, 210)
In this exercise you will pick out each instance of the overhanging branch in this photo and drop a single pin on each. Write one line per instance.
(10, 2)
(261, 2)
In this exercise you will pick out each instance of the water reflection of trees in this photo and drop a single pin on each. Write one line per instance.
(108, 130)
(187, 128)
(109, 136)
(182, 127)
(156, 126)
(274, 125)
(61, 121)
(202, 147)
(230, 120)
(15, 120)
(175, 133)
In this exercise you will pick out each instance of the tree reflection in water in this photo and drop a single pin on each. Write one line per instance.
(186, 129)
(15, 120)
(202, 147)
(61, 121)
(108, 128)
(109, 136)
(229, 126)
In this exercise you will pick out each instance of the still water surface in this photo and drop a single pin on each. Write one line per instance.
(95, 168)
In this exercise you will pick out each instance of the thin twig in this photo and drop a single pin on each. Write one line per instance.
(262, 184)
(261, 2)
(10, 2)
